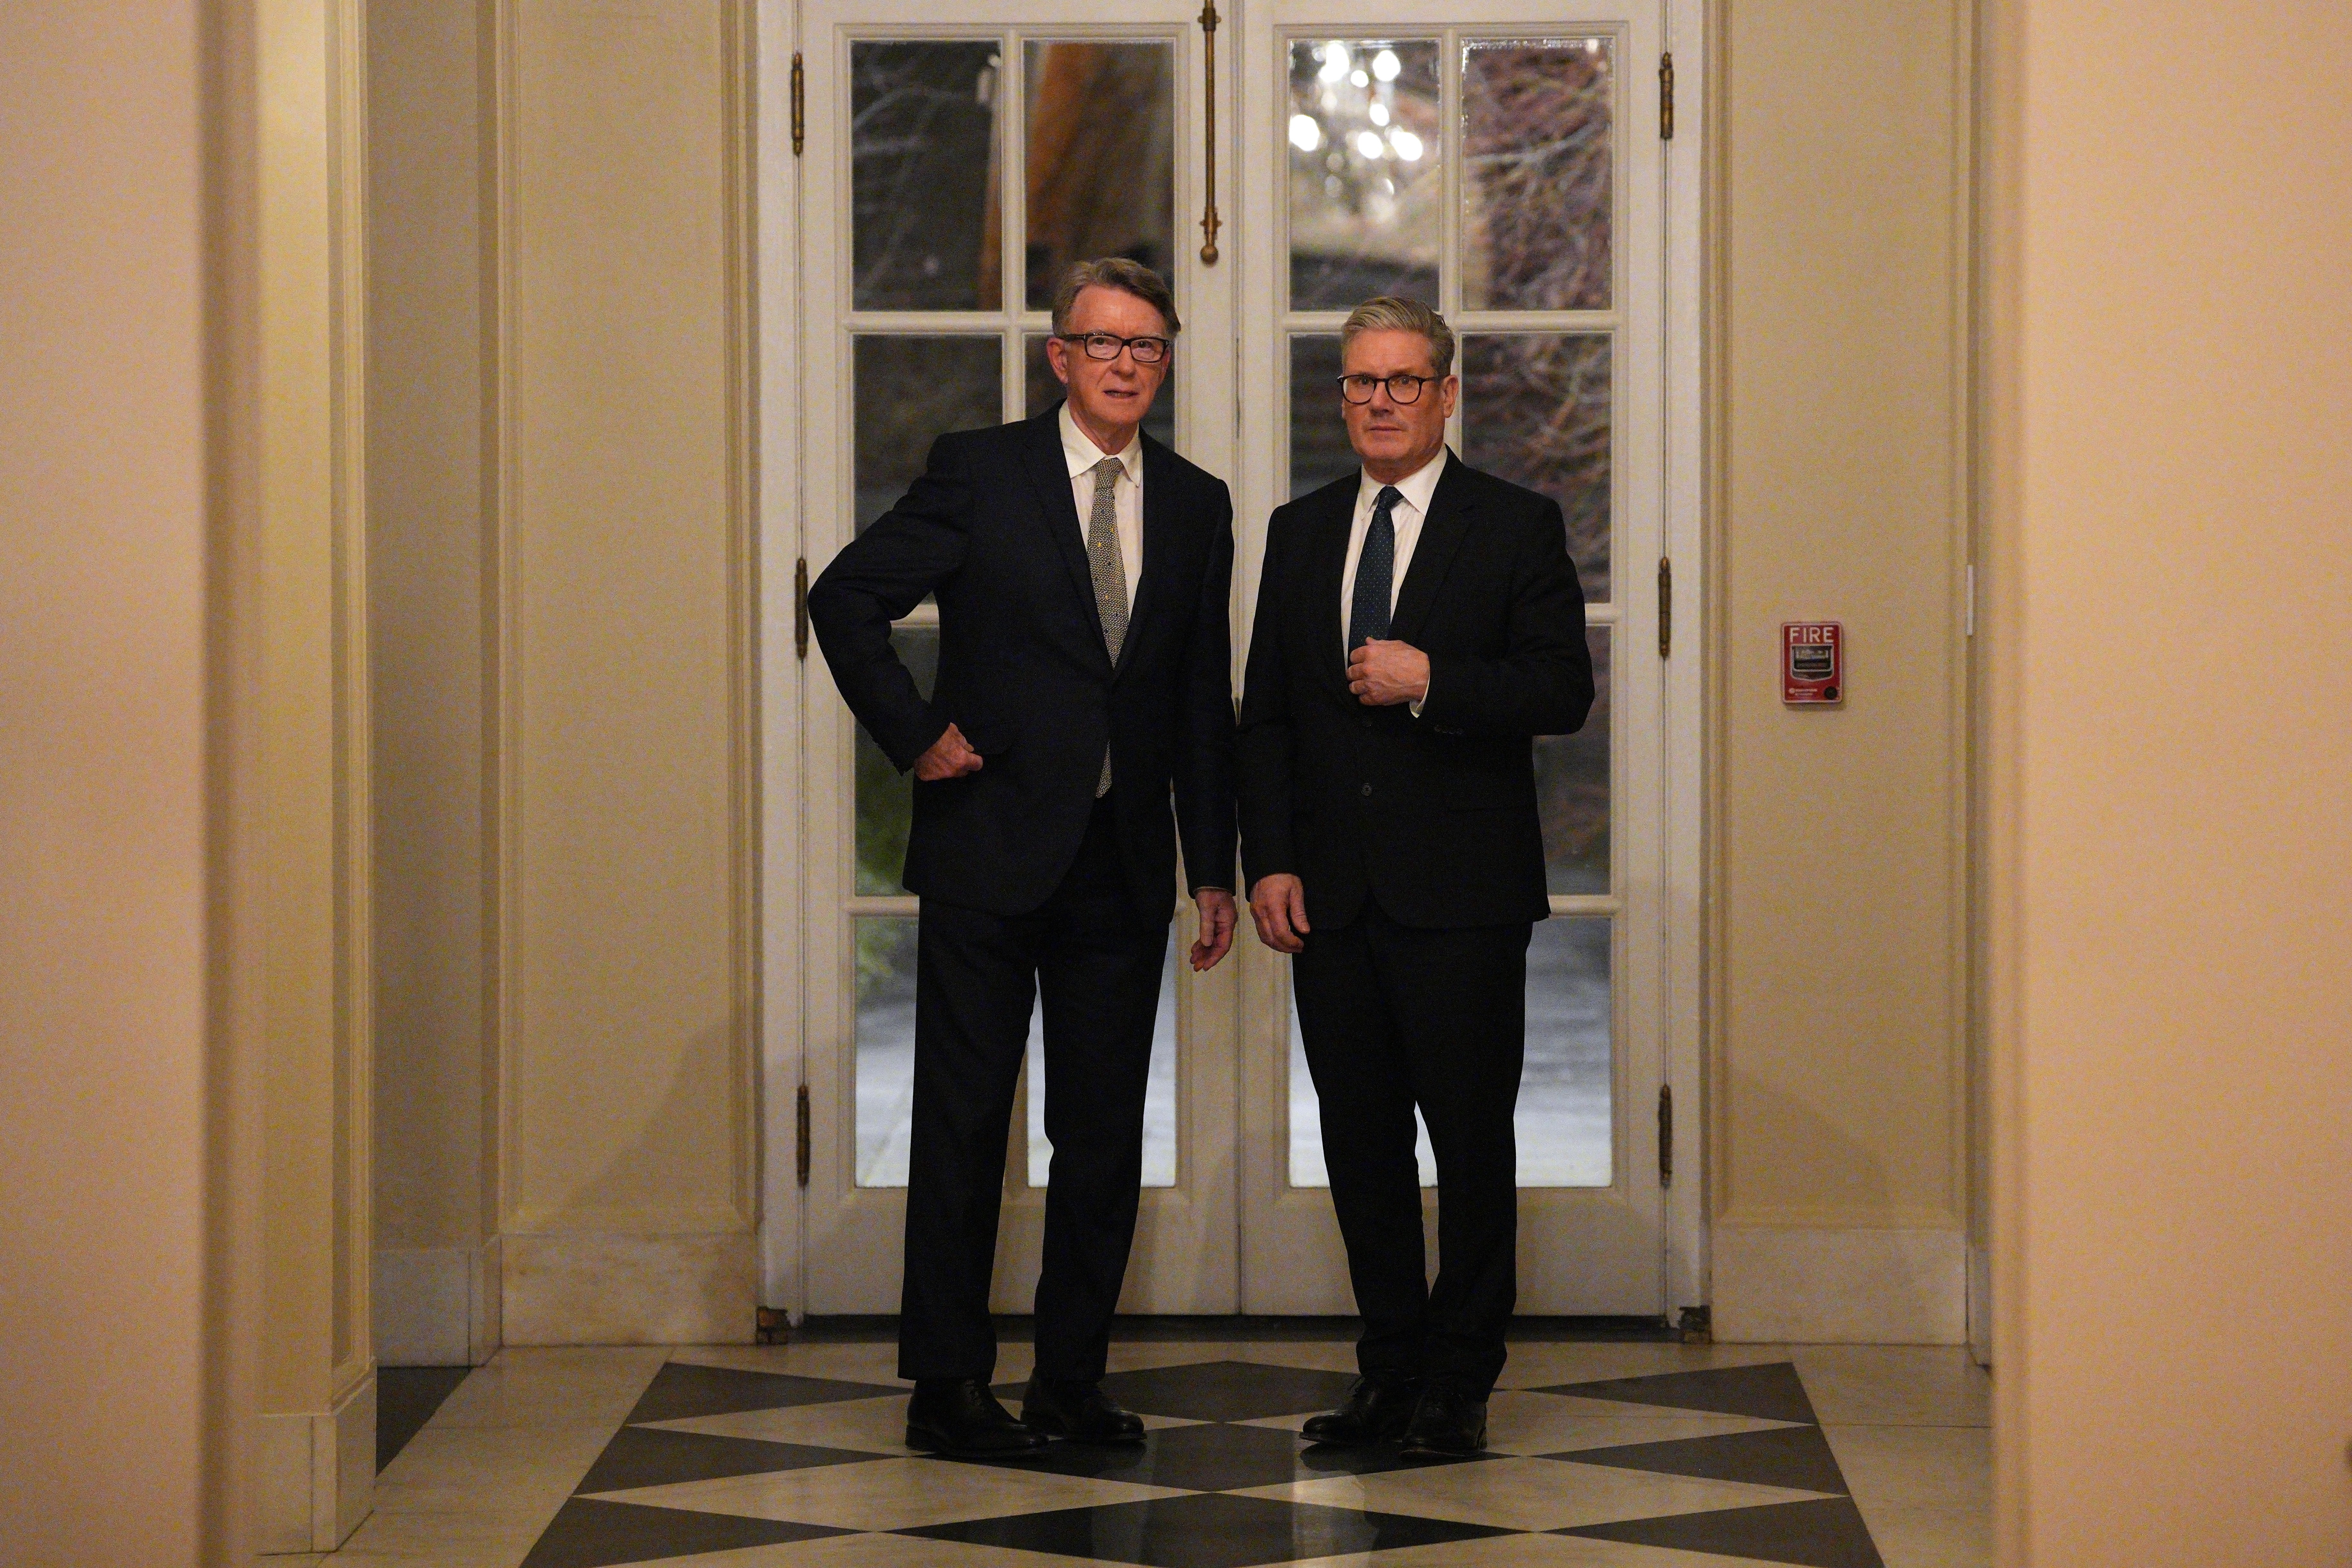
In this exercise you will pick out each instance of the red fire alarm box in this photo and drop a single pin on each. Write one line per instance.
(1812, 663)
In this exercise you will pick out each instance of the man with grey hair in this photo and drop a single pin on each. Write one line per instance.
(1418, 623)
(1082, 570)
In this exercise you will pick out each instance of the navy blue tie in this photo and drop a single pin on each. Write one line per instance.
(1368, 616)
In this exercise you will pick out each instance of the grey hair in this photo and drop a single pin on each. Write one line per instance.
(1388, 313)
(1115, 272)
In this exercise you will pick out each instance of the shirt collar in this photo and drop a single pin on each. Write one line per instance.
(1081, 454)
(1416, 487)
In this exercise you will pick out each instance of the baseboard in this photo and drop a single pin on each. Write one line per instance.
(1779, 1285)
(595, 1288)
(437, 1306)
(1981, 1303)
(316, 1473)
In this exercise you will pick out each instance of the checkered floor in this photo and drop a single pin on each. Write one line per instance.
(1718, 1465)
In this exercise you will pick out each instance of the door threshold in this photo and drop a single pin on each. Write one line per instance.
(882, 1328)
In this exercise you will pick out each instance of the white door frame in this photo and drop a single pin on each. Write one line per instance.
(786, 672)
(830, 1245)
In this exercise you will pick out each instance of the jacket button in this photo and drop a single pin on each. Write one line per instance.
(1368, 788)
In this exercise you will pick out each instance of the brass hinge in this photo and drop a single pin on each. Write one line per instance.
(1666, 1135)
(800, 104)
(1666, 96)
(800, 607)
(1666, 608)
(801, 1135)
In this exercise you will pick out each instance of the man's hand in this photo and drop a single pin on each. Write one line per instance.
(1383, 674)
(950, 757)
(1216, 939)
(1279, 904)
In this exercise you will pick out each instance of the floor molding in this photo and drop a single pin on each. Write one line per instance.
(1776, 1285)
(603, 1288)
(316, 1473)
(437, 1306)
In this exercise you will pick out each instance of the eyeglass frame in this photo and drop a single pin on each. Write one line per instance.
(1085, 342)
(1388, 382)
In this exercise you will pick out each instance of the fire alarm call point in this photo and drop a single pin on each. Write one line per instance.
(1812, 663)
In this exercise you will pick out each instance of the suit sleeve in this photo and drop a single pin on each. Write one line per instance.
(1266, 736)
(880, 576)
(1204, 761)
(1542, 682)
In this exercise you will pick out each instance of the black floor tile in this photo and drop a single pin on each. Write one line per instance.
(1825, 1534)
(589, 1533)
(1227, 1390)
(679, 1390)
(1205, 1531)
(1771, 1392)
(649, 1457)
(1213, 1459)
(1794, 1457)
(405, 1398)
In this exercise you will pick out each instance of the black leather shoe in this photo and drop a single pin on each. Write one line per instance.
(1375, 1411)
(1079, 1410)
(1447, 1423)
(959, 1417)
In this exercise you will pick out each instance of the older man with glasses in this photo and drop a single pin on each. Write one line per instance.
(1082, 570)
(1418, 623)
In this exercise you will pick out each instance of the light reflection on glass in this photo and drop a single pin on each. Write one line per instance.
(1364, 192)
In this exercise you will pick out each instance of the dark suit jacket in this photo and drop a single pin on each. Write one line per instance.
(1434, 816)
(991, 529)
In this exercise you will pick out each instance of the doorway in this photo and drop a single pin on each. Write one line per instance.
(1505, 164)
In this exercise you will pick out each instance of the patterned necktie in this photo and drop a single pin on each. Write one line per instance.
(1109, 570)
(1368, 617)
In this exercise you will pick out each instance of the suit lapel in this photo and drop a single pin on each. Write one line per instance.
(1049, 473)
(1158, 546)
(1327, 565)
(1432, 554)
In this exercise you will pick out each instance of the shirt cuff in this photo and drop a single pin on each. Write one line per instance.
(1416, 708)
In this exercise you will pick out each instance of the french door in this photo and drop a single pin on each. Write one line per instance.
(1500, 162)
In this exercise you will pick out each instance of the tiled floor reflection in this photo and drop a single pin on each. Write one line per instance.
(1603, 1455)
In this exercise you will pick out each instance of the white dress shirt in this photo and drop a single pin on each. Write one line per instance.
(1414, 492)
(1127, 492)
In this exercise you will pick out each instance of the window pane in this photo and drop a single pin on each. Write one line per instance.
(1365, 183)
(1102, 158)
(1319, 452)
(886, 797)
(1044, 390)
(1306, 1167)
(1536, 410)
(1563, 1120)
(1535, 185)
(922, 176)
(911, 390)
(886, 1047)
(1573, 789)
(1158, 1094)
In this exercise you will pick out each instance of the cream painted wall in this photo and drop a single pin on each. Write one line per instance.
(625, 934)
(2174, 947)
(1838, 1016)
(426, 496)
(103, 1080)
(430, 388)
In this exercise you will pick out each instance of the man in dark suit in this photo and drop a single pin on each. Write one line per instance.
(1417, 624)
(1082, 573)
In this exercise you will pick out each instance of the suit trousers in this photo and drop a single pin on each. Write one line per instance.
(1394, 1017)
(1096, 962)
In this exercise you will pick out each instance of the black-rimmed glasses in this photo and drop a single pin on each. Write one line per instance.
(1402, 387)
(1106, 345)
